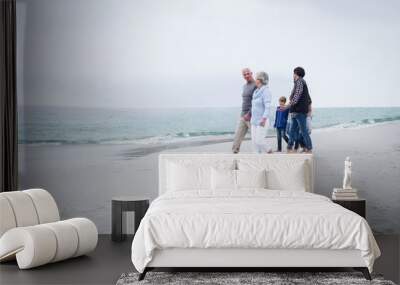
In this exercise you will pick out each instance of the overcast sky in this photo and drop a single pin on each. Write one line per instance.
(170, 53)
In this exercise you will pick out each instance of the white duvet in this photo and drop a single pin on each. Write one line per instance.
(250, 219)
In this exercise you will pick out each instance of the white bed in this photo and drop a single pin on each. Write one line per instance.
(201, 220)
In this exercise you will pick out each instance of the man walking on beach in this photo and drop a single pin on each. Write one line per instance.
(244, 121)
(300, 102)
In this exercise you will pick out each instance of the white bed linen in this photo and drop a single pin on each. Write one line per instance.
(251, 218)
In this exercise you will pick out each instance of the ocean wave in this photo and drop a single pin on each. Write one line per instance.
(204, 133)
(194, 136)
(140, 142)
(381, 120)
(358, 124)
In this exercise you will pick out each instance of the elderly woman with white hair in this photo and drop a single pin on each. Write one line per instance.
(260, 108)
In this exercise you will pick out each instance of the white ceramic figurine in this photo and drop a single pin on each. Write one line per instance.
(347, 174)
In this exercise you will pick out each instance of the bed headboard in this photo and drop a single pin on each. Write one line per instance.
(165, 158)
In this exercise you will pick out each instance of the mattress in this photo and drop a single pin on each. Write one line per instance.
(250, 219)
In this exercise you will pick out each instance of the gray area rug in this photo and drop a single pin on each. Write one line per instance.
(225, 278)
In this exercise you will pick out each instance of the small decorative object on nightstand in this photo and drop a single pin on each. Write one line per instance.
(347, 174)
(122, 204)
(347, 196)
(344, 194)
(347, 192)
(356, 205)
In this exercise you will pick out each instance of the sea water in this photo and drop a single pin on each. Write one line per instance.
(141, 127)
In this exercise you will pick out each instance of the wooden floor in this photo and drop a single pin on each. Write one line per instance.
(111, 259)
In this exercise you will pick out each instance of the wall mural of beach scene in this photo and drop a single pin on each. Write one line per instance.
(99, 99)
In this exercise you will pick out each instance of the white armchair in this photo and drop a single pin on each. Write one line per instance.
(32, 233)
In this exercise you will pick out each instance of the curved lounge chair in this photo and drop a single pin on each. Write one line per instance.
(32, 233)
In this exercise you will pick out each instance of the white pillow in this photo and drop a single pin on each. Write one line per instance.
(282, 179)
(223, 179)
(184, 174)
(251, 178)
(282, 174)
(187, 177)
(228, 179)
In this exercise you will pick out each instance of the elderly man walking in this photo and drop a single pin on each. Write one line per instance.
(244, 121)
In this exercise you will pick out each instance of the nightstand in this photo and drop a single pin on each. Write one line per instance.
(136, 204)
(357, 206)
